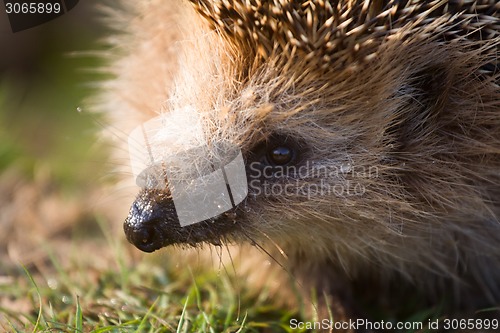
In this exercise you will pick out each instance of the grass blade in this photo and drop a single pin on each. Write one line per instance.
(78, 317)
(39, 317)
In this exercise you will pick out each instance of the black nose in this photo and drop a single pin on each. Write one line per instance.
(152, 223)
(145, 225)
(145, 236)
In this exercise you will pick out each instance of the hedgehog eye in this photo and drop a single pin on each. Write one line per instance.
(280, 155)
(277, 151)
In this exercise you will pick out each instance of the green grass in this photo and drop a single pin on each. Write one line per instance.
(132, 297)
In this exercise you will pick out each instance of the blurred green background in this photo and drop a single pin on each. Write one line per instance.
(52, 161)
(46, 73)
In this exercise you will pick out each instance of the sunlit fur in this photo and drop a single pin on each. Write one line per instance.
(416, 99)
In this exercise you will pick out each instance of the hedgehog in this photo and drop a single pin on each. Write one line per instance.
(369, 133)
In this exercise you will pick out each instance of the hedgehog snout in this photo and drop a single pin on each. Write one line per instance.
(153, 223)
(146, 225)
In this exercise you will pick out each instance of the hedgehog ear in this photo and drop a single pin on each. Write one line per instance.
(434, 84)
(430, 90)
